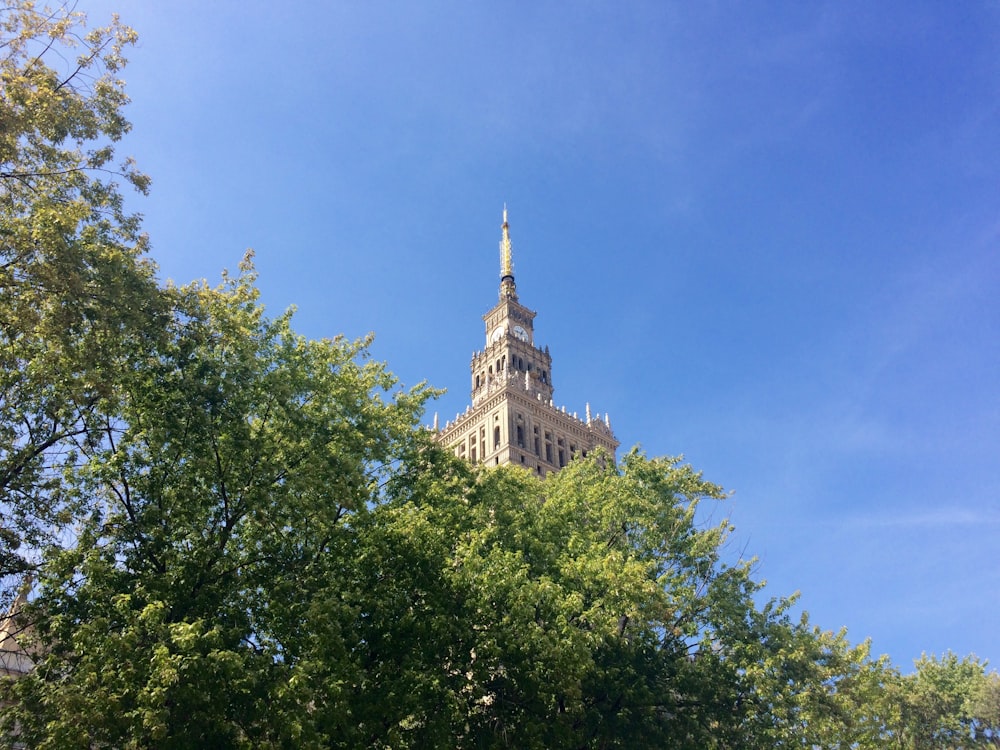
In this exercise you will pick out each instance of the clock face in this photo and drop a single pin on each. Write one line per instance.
(495, 336)
(520, 333)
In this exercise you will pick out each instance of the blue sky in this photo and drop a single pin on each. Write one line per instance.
(762, 235)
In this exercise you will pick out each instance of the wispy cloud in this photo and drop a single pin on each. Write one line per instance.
(921, 519)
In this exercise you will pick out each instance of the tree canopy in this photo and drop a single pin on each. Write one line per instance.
(239, 537)
(76, 294)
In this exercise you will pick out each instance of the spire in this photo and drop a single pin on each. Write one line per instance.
(507, 287)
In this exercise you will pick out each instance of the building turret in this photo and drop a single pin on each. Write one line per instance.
(513, 418)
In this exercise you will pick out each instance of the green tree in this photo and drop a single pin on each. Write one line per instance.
(491, 609)
(948, 702)
(984, 707)
(629, 630)
(239, 452)
(75, 294)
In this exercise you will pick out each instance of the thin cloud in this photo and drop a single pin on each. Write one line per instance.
(946, 517)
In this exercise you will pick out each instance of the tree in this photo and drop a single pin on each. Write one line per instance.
(76, 296)
(948, 703)
(984, 707)
(239, 453)
(491, 609)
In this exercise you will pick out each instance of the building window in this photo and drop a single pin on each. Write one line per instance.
(520, 436)
(496, 438)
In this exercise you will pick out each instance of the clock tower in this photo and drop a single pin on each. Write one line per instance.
(512, 418)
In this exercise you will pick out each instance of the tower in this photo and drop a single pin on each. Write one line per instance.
(512, 418)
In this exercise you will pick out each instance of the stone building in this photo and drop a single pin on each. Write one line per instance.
(512, 418)
(14, 659)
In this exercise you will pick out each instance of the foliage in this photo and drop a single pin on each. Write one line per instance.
(949, 703)
(75, 295)
(238, 453)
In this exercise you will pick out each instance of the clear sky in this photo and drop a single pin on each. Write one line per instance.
(762, 235)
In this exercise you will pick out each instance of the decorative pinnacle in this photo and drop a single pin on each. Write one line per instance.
(507, 288)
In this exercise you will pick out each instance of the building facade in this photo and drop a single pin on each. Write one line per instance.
(512, 417)
(14, 660)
